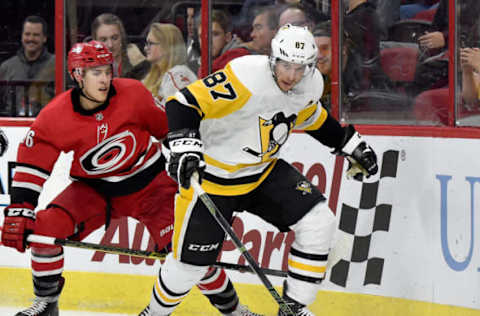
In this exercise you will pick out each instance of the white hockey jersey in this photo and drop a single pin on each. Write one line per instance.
(246, 119)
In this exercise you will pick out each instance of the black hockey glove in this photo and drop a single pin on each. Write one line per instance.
(362, 160)
(186, 156)
(3, 143)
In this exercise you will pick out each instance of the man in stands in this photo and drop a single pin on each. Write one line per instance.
(323, 38)
(264, 27)
(225, 45)
(31, 63)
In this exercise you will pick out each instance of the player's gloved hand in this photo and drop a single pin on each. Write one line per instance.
(186, 156)
(362, 160)
(19, 222)
(3, 143)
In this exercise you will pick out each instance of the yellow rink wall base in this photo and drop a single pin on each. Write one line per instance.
(129, 294)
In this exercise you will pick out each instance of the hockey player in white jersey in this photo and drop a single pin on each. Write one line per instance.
(229, 127)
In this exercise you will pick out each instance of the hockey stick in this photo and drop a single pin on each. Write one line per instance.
(139, 253)
(213, 209)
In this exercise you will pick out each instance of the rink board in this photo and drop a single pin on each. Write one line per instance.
(404, 244)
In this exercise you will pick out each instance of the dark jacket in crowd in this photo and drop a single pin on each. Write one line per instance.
(363, 70)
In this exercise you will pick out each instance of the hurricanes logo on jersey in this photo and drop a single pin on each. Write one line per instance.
(273, 134)
(110, 154)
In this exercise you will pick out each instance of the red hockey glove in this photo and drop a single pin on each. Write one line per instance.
(18, 224)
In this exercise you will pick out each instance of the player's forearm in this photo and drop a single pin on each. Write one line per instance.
(330, 134)
(180, 116)
(35, 161)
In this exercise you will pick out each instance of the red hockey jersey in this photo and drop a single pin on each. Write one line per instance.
(112, 144)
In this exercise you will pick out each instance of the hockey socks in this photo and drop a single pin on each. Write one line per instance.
(219, 290)
(47, 268)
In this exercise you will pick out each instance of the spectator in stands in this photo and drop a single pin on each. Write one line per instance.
(297, 15)
(193, 45)
(166, 51)
(322, 35)
(247, 12)
(470, 62)
(264, 27)
(302, 12)
(437, 37)
(128, 61)
(468, 23)
(363, 70)
(388, 12)
(431, 77)
(431, 105)
(432, 70)
(32, 63)
(225, 45)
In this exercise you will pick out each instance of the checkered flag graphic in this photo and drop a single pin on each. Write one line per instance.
(367, 211)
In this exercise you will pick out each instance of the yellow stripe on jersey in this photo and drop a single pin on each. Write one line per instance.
(232, 168)
(235, 189)
(220, 94)
(183, 203)
(306, 267)
(318, 122)
(305, 114)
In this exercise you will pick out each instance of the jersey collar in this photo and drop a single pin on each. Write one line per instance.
(75, 97)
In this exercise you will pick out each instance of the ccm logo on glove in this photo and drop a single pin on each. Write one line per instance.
(186, 142)
(20, 212)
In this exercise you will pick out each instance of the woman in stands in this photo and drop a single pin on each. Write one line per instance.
(128, 60)
(166, 51)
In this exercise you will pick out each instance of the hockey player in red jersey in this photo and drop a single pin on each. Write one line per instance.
(117, 171)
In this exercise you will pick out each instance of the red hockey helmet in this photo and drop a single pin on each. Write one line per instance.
(86, 55)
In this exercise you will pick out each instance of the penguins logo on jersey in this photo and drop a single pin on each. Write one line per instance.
(110, 154)
(273, 134)
(304, 187)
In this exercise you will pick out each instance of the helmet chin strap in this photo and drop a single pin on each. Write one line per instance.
(89, 98)
(81, 86)
(272, 61)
